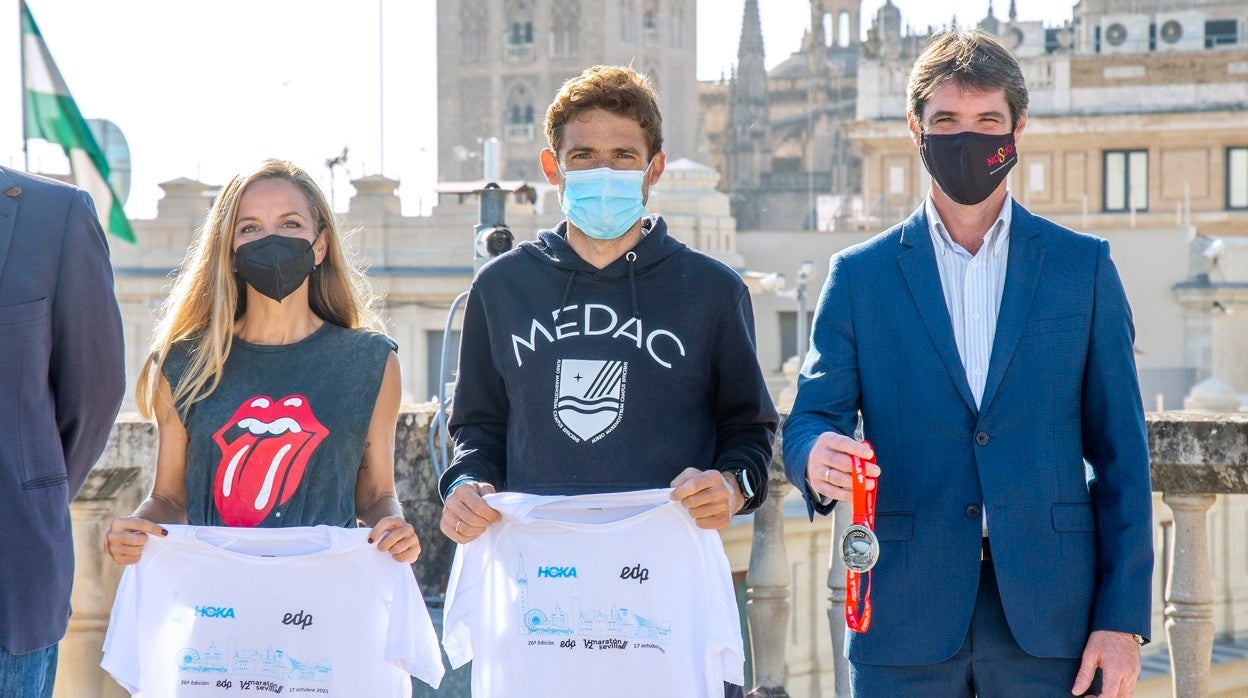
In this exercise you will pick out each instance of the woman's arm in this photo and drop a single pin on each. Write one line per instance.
(376, 502)
(167, 502)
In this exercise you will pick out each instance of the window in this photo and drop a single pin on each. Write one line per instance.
(1222, 32)
(473, 31)
(1126, 180)
(896, 179)
(628, 20)
(565, 22)
(519, 37)
(1237, 178)
(519, 115)
(1035, 177)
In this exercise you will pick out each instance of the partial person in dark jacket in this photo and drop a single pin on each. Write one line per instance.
(607, 356)
(62, 377)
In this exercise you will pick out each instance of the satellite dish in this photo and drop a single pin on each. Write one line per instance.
(116, 153)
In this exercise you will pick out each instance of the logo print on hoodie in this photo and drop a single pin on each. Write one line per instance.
(589, 397)
(265, 448)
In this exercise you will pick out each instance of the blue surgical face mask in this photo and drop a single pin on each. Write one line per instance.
(604, 203)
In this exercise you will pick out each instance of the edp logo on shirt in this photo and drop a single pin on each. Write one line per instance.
(300, 620)
(214, 611)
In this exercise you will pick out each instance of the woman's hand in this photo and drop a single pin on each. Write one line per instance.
(395, 536)
(127, 536)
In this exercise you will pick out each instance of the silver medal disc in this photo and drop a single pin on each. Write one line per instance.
(859, 548)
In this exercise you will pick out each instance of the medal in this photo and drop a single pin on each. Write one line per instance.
(860, 549)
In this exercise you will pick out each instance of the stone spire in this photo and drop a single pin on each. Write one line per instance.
(1013, 12)
(747, 145)
(990, 23)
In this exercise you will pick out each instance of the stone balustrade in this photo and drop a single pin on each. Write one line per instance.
(1195, 457)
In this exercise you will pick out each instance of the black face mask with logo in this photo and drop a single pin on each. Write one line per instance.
(275, 265)
(968, 166)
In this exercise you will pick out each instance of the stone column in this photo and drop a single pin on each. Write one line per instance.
(836, 600)
(1189, 598)
(767, 590)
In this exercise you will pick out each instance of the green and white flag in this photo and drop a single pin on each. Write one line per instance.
(52, 115)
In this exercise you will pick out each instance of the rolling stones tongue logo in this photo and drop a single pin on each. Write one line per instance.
(265, 448)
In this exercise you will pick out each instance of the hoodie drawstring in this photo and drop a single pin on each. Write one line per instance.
(632, 282)
(567, 293)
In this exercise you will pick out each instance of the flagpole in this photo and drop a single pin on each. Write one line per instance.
(381, 88)
(21, 47)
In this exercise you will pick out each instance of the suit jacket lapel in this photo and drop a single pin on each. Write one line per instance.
(1022, 275)
(918, 266)
(8, 215)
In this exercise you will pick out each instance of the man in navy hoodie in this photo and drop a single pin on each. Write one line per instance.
(607, 356)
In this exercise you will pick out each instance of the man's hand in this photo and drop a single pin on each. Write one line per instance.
(465, 515)
(1118, 656)
(829, 468)
(710, 496)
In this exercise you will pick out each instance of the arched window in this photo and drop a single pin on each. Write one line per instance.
(565, 23)
(628, 20)
(519, 37)
(843, 36)
(519, 114)
(678, 25)
(650, 22)
(472, 17)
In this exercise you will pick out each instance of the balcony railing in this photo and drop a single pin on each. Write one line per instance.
(1194, 458)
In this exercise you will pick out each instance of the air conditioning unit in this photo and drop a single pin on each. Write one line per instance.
(1180, 31)
(1124, 33)
(1024, 38)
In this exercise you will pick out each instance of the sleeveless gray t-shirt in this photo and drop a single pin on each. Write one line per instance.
(279, 442)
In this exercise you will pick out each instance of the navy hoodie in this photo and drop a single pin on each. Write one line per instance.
(576, 380)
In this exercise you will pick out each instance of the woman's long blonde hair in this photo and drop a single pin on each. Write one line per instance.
(207, 298)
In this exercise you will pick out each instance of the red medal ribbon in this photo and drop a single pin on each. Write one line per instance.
(864, 515)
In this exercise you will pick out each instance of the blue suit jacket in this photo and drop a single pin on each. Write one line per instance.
(62, 376)
(1071, 554)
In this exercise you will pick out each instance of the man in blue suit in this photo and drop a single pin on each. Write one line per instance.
(62, 375)
(989, 354)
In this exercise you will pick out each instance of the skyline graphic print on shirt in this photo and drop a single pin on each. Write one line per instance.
(265, 448)
(589, 397)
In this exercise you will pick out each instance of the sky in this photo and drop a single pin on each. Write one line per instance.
(204, 89)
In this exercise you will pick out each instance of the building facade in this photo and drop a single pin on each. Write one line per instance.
(500, 62)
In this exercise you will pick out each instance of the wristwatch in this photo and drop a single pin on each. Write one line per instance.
(742, 476)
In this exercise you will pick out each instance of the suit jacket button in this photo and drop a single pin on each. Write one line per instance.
(981, 438)
(972, 512)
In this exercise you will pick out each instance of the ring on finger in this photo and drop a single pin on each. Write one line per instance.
(457, 523)
(827, 475)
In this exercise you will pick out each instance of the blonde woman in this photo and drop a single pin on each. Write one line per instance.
(274, 392)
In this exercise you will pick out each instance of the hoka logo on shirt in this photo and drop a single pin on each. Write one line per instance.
(557, 572)
(214, 611)
(589, 397)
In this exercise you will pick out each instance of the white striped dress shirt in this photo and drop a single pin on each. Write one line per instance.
(972, 285)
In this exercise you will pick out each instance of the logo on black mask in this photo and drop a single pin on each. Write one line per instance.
(968, 166)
